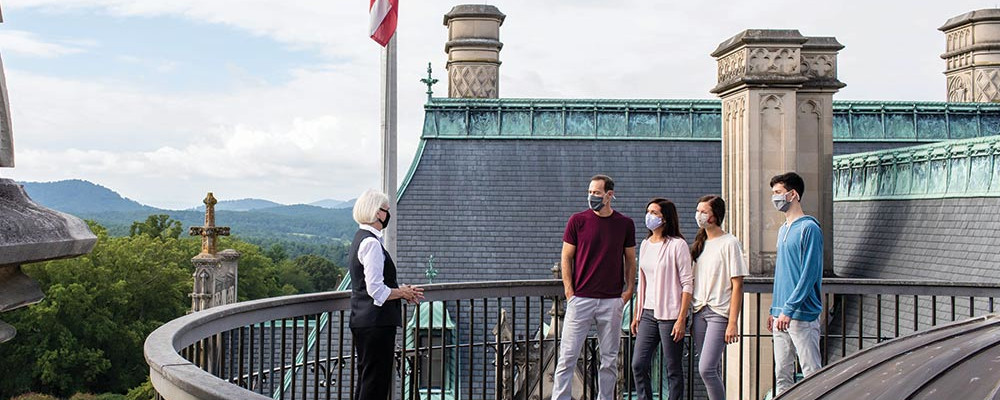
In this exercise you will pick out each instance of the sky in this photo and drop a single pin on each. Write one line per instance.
(165, 100)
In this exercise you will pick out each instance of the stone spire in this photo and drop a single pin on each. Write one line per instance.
(209, 232)
(473, 49)
(215, 274)
(972, 56)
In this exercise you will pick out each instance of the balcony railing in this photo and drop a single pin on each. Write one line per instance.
(499, 340)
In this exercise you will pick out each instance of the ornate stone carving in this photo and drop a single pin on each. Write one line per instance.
(783, 61)
(473, 81)
(959, 61)
(733, 66)
(960, 39)
(987, 85)
(810, 107)
(770, 102)
(819, 66)
(959, 89)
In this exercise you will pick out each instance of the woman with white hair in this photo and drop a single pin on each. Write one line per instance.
(375, 297)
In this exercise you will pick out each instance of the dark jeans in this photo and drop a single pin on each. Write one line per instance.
(375, 348)
(653, 332)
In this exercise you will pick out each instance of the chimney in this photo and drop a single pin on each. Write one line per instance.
(972, 55)
(473, 49)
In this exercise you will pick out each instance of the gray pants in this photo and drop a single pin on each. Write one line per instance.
(581, 314)
(650, 333)
(709, 335)
(802, 339)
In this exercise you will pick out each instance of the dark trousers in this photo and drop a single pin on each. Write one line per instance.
(653, 333)
(375, 347)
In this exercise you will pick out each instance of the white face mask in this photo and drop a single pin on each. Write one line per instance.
(701, 218)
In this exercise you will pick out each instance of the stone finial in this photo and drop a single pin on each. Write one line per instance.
(972, 53)
(473, 50)
(209, 233)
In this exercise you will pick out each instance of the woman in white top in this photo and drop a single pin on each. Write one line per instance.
(663, 299)
(718, 291)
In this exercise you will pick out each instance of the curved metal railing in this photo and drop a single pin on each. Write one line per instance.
(496, 340)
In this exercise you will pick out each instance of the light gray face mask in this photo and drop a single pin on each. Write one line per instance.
(596, 202)
(701, 218)
(781, 202)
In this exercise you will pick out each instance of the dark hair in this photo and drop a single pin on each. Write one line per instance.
(671, 224)
(791, 181)
(718, 207)
(609, 184)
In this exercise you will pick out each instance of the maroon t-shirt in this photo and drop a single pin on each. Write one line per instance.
(599, 263)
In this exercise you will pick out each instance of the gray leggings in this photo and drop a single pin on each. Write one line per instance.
(709, 335)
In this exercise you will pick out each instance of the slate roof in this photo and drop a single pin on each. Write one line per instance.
(495, 180)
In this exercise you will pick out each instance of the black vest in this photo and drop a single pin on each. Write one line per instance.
(364, 312)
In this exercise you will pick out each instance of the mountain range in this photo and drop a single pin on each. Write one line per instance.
(318, 222)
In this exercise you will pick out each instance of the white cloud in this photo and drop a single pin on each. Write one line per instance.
(29, 44)
(315, 135)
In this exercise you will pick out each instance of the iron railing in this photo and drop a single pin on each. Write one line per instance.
(499, 341)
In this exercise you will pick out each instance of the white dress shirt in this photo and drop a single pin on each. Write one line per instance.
(371, 257)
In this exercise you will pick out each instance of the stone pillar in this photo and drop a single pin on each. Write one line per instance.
(777, 91)
(972, 56)
(473, 49)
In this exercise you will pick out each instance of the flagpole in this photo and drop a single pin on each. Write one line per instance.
(388, 128)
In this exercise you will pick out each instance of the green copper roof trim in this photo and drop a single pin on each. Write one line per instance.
(677, 119)
(413, 169)
(948, 169)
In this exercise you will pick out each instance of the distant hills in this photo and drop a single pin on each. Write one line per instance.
(324, 221)
(79, 196)
(258, 204)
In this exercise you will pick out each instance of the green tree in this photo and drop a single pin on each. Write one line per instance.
(325, 275)
(276, 253)
(86, 336)
(157, 226)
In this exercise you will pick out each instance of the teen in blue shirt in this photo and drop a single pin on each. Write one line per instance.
(798, 272)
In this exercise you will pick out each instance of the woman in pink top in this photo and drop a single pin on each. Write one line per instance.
(663, 299)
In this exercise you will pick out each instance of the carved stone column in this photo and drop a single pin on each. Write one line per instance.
(759, 73)
(777, 91)
(473, 49)
(972, 56)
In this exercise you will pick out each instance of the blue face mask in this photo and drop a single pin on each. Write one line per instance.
(653, 222)
(596, 202)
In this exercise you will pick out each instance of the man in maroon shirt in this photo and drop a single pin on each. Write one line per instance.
(598, 274)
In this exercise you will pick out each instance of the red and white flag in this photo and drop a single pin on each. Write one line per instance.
(382, 20)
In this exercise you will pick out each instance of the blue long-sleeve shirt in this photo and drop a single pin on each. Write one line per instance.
(798, 270)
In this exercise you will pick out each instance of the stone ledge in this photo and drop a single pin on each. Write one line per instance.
(986, 14)
(758, 37)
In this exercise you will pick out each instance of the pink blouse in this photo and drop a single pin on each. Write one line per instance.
(666, 267)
